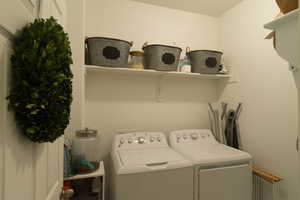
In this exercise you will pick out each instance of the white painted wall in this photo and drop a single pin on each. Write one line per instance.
(76, 31)
(139, 22)
(115, 102)
(118, 102)
(267, 90)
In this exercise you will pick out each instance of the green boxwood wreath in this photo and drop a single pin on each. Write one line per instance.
(41, 93)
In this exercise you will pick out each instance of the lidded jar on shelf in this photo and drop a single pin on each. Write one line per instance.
(85, 151)
(136, 60)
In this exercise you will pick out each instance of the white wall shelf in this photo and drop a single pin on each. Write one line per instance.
(100, 172)
(95, 69)
(287, 36)
(161, 75)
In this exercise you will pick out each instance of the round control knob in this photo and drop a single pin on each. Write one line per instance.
(152, 139)
(185, 137)
(122, 141)
(141, 140)
(194, 136)
(158, 139)
(130, 140)
(178, 137)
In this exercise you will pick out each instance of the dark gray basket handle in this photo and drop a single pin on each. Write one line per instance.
(145, 45)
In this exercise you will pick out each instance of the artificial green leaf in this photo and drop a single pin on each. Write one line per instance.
(29, 106)
(34, 112)
(30, 130)
(35, 95)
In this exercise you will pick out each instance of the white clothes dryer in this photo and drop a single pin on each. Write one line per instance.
(220, 172)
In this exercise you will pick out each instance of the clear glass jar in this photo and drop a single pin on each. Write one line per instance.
(185, 65)
(85, 151)
(136, 60)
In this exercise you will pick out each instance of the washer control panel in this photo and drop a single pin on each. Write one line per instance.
(140, 140)
(192, 136)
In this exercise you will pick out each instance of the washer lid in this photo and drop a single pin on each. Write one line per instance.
(217, 154)
(152, 159)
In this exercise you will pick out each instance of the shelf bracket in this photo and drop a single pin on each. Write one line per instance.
(158, 89)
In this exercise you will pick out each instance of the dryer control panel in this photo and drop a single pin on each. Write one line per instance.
(140, 140)
(203, 136)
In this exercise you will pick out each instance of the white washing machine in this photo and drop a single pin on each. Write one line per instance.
(146, 168)
(220, 172)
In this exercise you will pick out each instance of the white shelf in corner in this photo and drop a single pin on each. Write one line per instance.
(100, 172)
(287, 36)
(95, 69)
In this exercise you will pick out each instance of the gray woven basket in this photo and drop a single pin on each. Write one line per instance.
(108, 52)
(205, 61)
(162, 57)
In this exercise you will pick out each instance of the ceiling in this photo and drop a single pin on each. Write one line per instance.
(213, 8)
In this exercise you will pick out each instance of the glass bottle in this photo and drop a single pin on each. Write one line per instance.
(136, 60)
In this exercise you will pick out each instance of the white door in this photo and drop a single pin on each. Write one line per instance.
(28, 171)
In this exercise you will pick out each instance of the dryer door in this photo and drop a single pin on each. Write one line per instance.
(225, 183)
